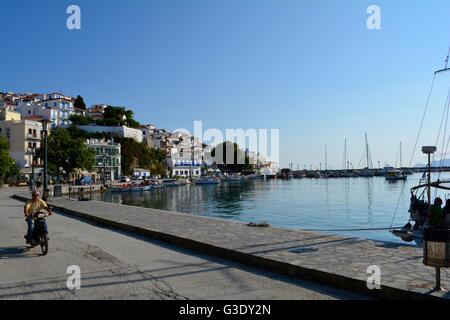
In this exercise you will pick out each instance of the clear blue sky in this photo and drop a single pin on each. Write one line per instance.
(309, 68)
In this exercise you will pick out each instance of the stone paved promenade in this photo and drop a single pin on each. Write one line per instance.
(122, 265)
(328, 259)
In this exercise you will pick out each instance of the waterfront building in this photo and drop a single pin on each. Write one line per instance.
(144, 173)
(107, 166)
(24, 137)
(185, 158)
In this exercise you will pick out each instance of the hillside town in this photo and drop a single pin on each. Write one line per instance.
(22, 116)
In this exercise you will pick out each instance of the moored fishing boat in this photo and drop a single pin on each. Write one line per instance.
(395, 175)
(206, 181)
(232, 179)
(173, 183)
(130, 188)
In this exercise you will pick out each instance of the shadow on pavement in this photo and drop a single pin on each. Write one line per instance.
(14, 252)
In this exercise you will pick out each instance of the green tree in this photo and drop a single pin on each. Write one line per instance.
(139, 155)
(81, 120)
(8, 167)
(238, 163)
(68, 152)
(79, 103)
(114, 116)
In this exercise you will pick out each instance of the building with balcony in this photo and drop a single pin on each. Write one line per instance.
(24, 137)
(107, 166)
(56, 108)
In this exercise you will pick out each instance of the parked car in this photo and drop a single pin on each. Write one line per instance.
(125, 179)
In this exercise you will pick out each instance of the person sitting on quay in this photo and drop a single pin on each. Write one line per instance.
(436, 215)
(446, 213)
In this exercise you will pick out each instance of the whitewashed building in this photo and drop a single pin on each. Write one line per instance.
(155, 138)
(185, 158)
(54, 107)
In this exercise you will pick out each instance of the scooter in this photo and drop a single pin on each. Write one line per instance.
(39, 238)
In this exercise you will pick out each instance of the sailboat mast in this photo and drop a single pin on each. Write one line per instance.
(326, 158)
(345, 155)
(367, 152)
(401, 165)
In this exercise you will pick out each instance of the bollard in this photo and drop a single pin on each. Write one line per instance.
(436, 250)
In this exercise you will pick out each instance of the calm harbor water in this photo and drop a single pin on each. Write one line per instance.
(317, 204)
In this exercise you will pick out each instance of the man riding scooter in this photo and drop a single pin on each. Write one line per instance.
(31, 207)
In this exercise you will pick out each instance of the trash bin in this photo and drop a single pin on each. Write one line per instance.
(436, 250)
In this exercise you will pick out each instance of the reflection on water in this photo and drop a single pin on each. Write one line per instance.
(321, 204)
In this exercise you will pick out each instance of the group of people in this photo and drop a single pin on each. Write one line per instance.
(439, 216)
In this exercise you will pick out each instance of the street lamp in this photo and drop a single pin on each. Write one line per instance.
(33, 151)
(104, 169)
(45, 123)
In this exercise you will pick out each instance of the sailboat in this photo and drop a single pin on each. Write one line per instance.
(421, 194)
(367, 171)
(346, 173)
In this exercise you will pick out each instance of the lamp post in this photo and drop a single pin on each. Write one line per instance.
(45, 123)
(32, 165)
(104, 169)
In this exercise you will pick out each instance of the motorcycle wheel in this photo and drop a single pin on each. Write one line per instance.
(44, 245)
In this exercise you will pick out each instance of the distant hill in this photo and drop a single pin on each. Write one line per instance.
(436, 163)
